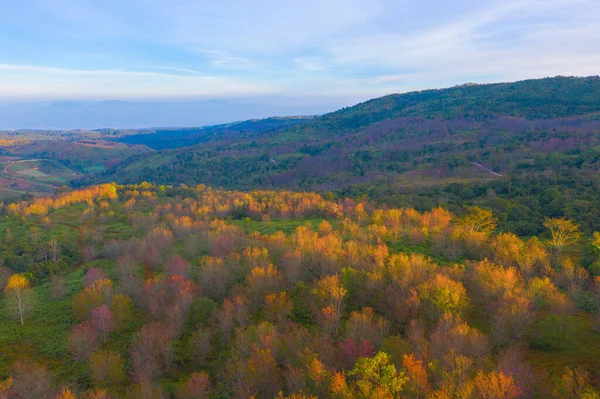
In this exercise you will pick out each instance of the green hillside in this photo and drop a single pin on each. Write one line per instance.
(41, 167)
(527, 150)
(548, 98)
(82, 155)
(159, 139)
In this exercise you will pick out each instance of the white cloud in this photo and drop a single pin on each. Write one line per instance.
(220, 59)
(366, 47)
(260, 26)
(309, 64)
(22, 81)
(473, 45)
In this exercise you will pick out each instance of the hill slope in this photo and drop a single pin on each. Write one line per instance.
(41, 166)
(527, 150)
(532, 99)
(159, 139)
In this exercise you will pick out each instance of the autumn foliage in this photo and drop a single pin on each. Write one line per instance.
(199, 293)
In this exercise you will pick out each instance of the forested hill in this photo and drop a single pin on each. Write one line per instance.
(532, 99)
(527, 150)
(162, 138)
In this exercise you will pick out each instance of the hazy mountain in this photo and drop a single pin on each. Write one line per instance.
(129, 114)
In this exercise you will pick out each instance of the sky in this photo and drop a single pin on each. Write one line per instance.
(310, 49)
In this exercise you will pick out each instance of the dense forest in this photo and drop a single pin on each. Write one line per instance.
(527, 150)
(145, 291)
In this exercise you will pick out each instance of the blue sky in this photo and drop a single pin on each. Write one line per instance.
(355, 49)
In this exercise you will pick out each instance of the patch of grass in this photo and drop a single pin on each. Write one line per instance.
(43, 338)
(270, 227)
(95, 169)
(32, 173)
(404, 245)
(580, 347)
(151, 161)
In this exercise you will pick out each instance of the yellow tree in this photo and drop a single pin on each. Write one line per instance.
(565, 234)
(66, 393)
(5, 388)
(19, 295)
(596, 240)
(478, 220)
(331, 293)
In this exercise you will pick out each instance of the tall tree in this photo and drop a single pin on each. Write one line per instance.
(331, 293)
(103, 321)
(83, 341)
(565, 234)
(19, 295)
(479, 220)
(107, 367)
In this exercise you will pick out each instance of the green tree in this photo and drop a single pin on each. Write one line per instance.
(378, 377)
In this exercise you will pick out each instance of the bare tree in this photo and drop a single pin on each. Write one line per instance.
(54, 249)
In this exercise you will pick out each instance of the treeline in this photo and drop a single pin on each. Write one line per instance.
(193, 292)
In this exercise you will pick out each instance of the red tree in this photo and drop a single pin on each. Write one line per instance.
(103, 321)
(196, 387)
(30, 381)
(351, 350)
(151, 352)
(92, 275)
(83, 341)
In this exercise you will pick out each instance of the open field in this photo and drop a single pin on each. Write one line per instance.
(40, 167)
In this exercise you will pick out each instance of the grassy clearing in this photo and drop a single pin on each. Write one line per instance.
(95, 169)
(32, 173)
(580, 348)
(43, 338)
(270, 227)
(152, 161)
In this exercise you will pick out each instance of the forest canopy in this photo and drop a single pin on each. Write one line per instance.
(192, 292)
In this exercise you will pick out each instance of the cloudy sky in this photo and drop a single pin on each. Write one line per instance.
(183, 49)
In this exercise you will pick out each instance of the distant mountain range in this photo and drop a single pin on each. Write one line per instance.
(130, 114)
